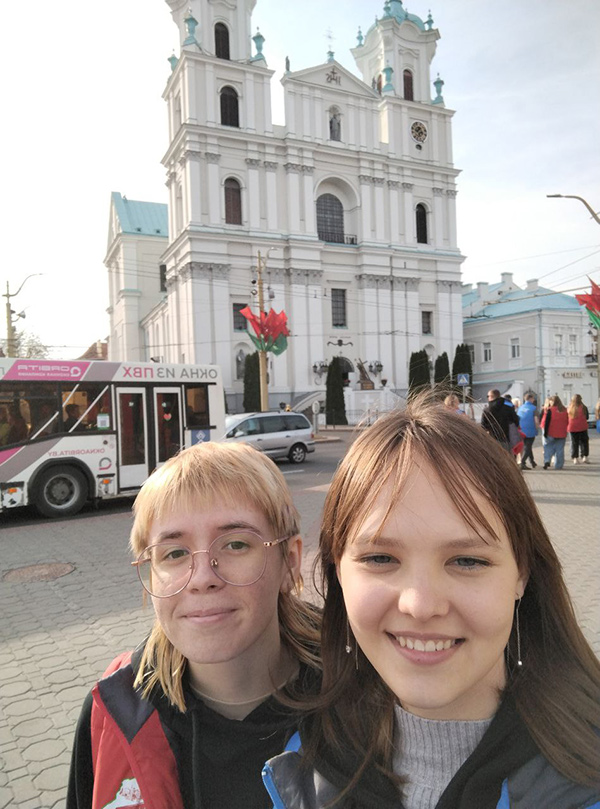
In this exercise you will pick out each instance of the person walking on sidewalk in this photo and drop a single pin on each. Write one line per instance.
(554, 424)
(578, 429)
(188, 719)
(528, 424)
(497, 418)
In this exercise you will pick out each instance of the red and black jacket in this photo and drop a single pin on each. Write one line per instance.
(134, 765)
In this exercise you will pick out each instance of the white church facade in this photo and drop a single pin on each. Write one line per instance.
(351, 204)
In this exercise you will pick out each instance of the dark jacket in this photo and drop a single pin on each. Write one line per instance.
(132, 749)
(506, 771)
(497, 417)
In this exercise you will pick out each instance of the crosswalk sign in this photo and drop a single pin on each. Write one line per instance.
(463, 380)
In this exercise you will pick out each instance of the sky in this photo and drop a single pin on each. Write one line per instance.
(82, 86)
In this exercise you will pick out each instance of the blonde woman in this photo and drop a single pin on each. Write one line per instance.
(190, 717)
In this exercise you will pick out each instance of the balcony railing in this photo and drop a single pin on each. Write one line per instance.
(591, 359)
(335, 237)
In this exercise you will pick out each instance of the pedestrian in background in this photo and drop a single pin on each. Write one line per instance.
(528, 424)
(189, 718)
(578, 429)
(554, 424)
(497, 417)
(455, 674)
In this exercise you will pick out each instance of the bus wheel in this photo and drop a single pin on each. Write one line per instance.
(60, 491)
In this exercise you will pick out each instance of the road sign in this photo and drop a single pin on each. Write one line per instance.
(463, 380)
(316, 408)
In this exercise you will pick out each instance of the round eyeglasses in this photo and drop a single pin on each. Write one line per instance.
(238, 558)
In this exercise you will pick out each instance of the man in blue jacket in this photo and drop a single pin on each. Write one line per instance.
(529, 423)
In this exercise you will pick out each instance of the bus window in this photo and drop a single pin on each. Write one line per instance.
(31, 411)
(86, 406)
(196, 398)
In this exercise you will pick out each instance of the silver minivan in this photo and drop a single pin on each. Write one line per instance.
(278, 435)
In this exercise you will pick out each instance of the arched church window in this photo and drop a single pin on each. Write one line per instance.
(233, 202)
(335, 124)
(330, 219)
(230, 107)
(421, 217)
(409, 93)
(221, 41)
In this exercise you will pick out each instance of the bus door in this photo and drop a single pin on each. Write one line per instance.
(133, 439)
(168, 423)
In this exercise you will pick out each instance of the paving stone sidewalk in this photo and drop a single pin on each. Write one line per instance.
(56, 637)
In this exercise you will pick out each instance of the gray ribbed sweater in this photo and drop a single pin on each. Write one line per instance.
(430, 752)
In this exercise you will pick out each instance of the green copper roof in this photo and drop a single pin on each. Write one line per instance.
(521, 301)
(141, 218)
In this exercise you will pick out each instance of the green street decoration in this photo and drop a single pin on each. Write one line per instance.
(270, 331)
(592, 304)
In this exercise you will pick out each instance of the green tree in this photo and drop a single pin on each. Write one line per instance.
(441, 371)
(418, 372)
(335, 406)
(251, 401)
(462, 363)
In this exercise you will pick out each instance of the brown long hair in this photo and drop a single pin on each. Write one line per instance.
(556, 402)
(575, 404)
(199, 475)
(557, 691)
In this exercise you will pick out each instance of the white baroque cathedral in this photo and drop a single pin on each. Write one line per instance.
(351, 204)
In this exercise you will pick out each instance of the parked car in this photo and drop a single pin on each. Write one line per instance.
(278, 435)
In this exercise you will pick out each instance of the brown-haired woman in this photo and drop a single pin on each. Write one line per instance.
(190, 717)
(455, 675)
(578, 429)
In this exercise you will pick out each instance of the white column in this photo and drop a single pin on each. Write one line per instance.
(451, 194)
(221, 317)
(215, 190)
(320, 118)
(409, 214)
(394, 211)
(300, 327)
(438, 217)
(267, 106)
(379, 209)
(365, 205)
(290, 111)
(202, 314)
(249, 105)
(384, 328)
(306, 127)
(456, 325)
(212, 96)
(316, 329)
(271, 169)
(253, 200)
(293, 201)
(349, 122)
(310, 224)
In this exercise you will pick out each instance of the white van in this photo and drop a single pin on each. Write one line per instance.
(278, 435)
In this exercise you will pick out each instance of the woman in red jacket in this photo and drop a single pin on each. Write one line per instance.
(554, 423)
(578, 429)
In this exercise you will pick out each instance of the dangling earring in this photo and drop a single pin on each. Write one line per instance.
(519, 661)
(349, 647)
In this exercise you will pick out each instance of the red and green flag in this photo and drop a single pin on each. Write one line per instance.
(270, 330)
(592, 304)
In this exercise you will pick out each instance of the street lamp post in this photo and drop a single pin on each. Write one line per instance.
(581, 199)
(10, 329)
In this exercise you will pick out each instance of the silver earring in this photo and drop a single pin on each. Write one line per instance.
(348, 647)
(519, 661)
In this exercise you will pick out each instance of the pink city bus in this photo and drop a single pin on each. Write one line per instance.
(73, 431)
